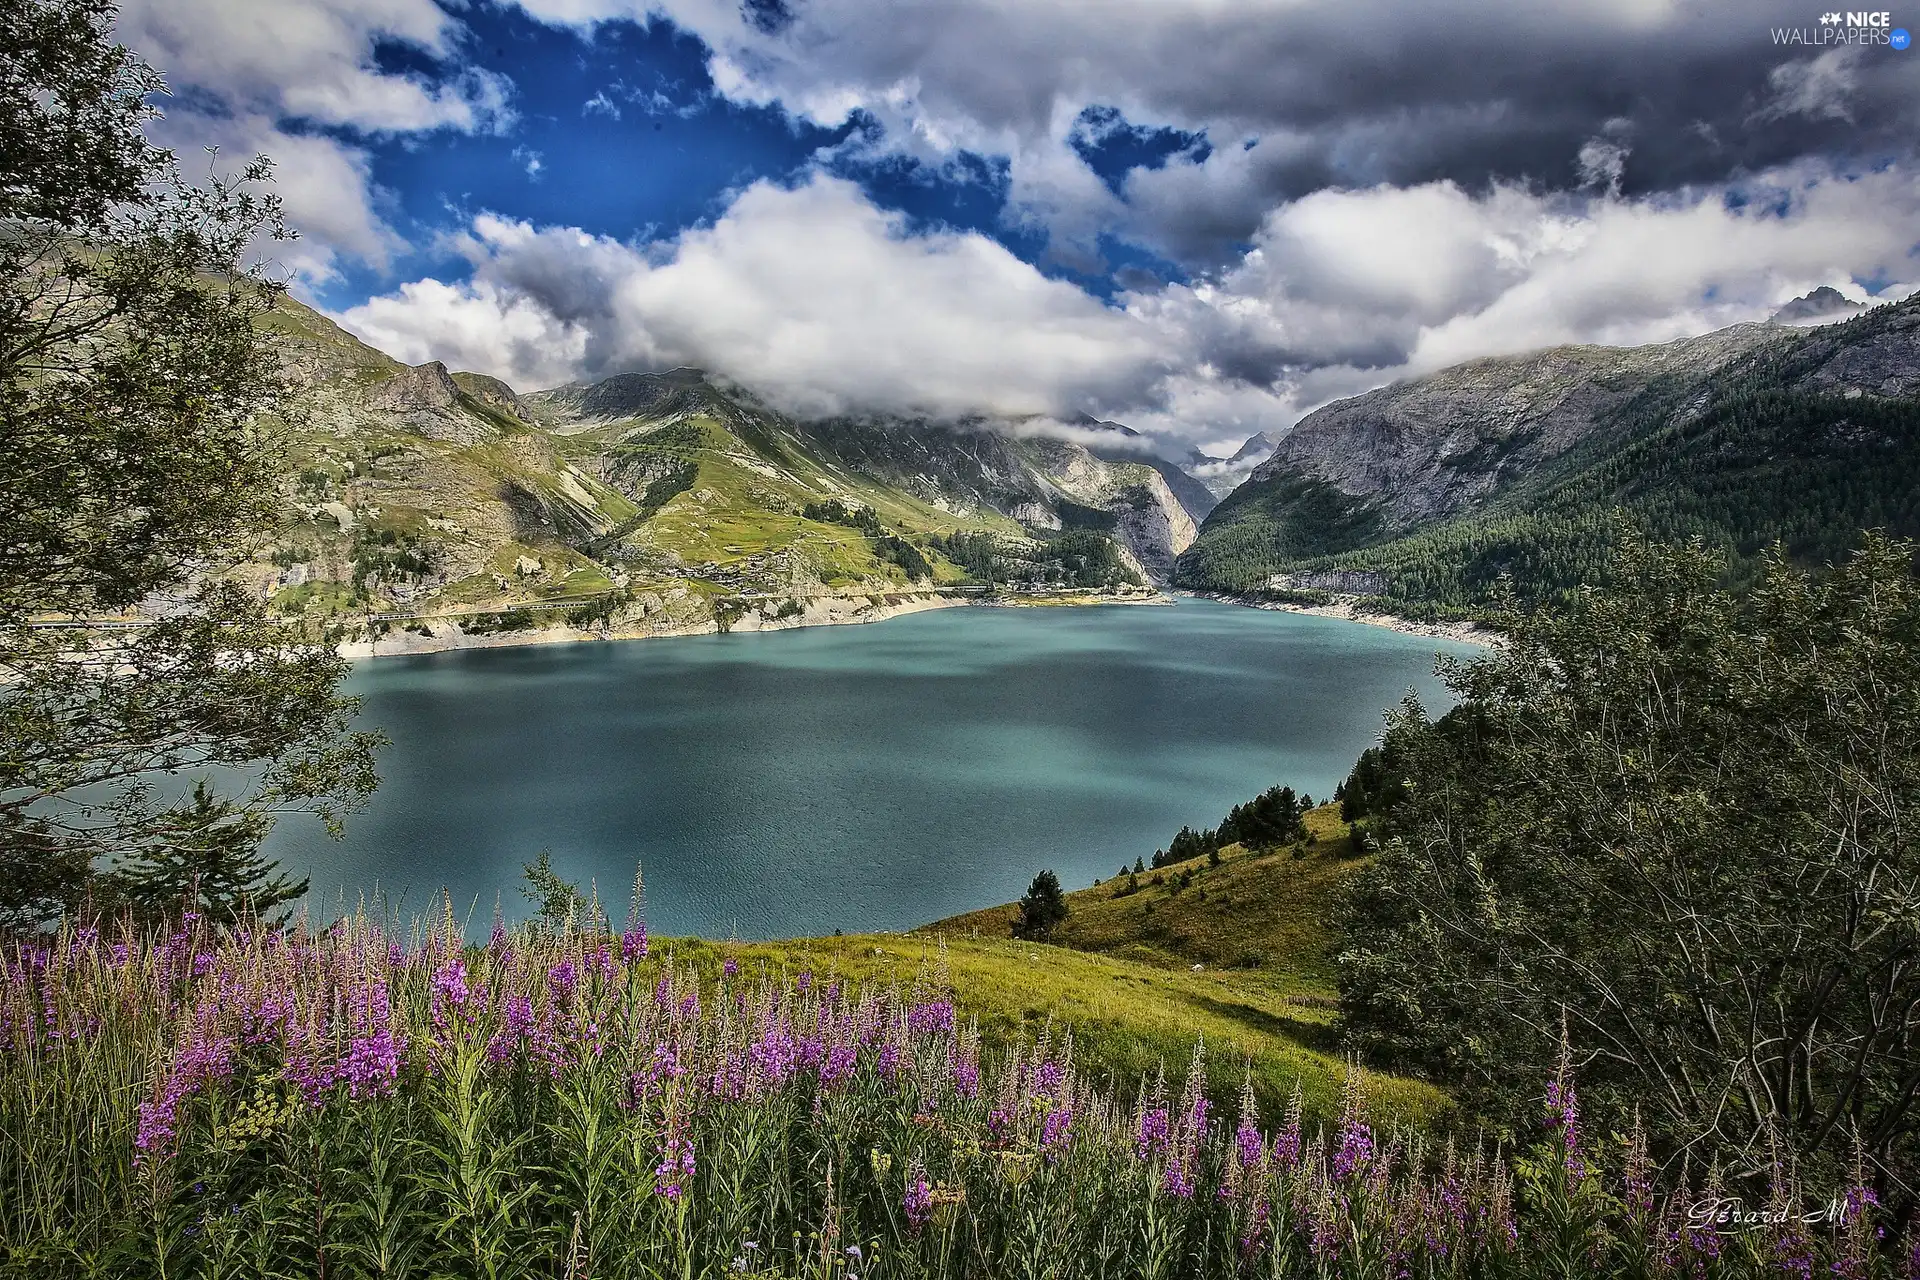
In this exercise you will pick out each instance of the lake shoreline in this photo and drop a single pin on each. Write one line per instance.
(859, 780)
(1346, 609)
(821, 611)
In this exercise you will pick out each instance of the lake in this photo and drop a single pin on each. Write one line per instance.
(848, 777)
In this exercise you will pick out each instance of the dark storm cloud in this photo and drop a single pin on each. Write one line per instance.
(1342, 95)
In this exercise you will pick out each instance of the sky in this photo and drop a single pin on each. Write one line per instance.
(1202, 218)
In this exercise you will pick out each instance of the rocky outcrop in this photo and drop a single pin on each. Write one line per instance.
(1437, 445)
(426, 398)
(1346, 582)
(1148, 519)
(1878, 354)
(1154, 525)
(493, 394)
(418, 387)
(1824, 303)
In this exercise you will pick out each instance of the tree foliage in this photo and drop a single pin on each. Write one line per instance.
(1272, 818)
(1076, 559)
(135, 461)
(1681, 821)
(557, 901)
(1042, 909)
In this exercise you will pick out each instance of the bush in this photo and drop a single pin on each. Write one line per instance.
(1679, 822)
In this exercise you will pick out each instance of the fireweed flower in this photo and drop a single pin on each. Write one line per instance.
(1248, 1143)
(675, 1169)
(1356, 1147)
(516, 1028)
(1154, 1133)
(1056, 1129)
(918, 1200)
(1563, 1120)
(932, 1018)
(155, 1137)
(1286, 1144)
(451, 994)
(322, 1011)
(842, 1056)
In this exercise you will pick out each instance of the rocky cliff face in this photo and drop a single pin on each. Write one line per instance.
(1045, 484)
(1518, 467)
(1437, 445)
(1878, 359)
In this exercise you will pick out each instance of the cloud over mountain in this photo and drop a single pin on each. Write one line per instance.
(824, 303)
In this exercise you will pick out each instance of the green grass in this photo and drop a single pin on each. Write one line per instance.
(1263, 911)
(1122, 967)
(1128, 1018)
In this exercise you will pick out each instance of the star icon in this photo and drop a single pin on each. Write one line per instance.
(1829, 19)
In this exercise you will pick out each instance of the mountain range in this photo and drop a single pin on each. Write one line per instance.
(1426, 494)
(672, 500)
(669, 500)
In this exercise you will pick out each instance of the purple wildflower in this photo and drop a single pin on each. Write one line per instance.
(1154, 1134)
(1056, 1128)
(918, 1200)
(372, 1064)
(675, 1169)
(1356, 1148)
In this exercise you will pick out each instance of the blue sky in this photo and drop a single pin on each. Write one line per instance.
(1202, 217)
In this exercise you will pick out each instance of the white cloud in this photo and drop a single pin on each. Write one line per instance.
(1817, 88)
(253, 66)
(812, 296)
(314, 59)
(823, 303)
(1343, 95)
(1602, 163)
(479, 326)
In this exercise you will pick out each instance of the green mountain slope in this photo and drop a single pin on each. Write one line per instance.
(1423, 494)
(1240, 950)
(428, 501)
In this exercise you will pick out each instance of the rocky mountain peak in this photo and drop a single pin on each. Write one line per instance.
(1824, 303)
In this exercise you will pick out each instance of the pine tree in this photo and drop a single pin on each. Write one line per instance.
(205, 857)
(1042, 909)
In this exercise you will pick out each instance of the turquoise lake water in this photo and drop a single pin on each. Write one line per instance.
(849, 777)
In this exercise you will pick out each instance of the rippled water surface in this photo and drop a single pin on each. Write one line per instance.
(850, 777)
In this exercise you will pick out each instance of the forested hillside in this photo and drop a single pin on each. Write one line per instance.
(1805, 437)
